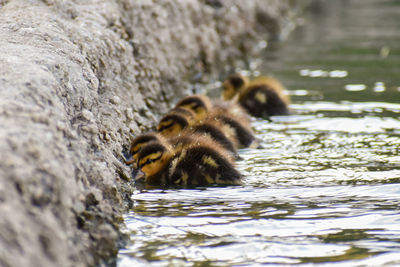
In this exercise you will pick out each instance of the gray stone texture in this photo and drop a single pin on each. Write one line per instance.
(79, 79)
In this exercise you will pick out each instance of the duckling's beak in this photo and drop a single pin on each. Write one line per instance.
(139, 175)
(131, 161)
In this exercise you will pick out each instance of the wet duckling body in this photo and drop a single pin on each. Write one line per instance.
(263, 97)
(201, 163)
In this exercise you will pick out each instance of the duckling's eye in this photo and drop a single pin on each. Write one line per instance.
(150, 160)
(197, 108)
(165, 125)
(135, 150)
(193, 106)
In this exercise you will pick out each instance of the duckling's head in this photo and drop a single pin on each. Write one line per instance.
(199, 104)
(233, 85)
(153, 158)
(172, 125)
(142, 140)
(187, 113)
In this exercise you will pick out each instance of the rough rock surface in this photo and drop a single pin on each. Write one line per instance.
(78, 79)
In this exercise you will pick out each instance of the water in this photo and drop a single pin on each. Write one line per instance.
(324, 190)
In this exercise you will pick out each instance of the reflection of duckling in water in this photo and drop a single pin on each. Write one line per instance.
(201, 163)
(262, 97)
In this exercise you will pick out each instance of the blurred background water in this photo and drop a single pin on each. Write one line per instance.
(325, 187)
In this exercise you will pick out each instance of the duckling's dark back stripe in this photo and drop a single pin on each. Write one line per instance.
(274, 104)
(244, 135)
(177, 118)
(202, 165)
(216, 134)
(192, 100)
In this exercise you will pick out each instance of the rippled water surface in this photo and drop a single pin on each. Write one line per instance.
(325, 186)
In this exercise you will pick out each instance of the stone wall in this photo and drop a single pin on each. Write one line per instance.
(78, 79)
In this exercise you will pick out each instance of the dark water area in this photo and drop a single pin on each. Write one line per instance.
(325, 188)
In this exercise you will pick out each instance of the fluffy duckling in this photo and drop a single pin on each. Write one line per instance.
(199, 104)
(231, 117)
(218, 132)
(187, 113)
(233, 108)
(234, 84)
(188, 138)
(178, 143)
(239, 129)
(176, 120)
(262, 97)
(235, 117)
(201, 163)
(173, 124)
(139, 142)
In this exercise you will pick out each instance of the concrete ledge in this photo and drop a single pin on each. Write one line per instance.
(78, 79)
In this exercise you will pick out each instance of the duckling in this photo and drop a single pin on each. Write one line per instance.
(229, 114)
(199, 104)
(140, 141)
(175, 121)
(234, 84)
(153, 160)
(201, 163)
(233, 108)
(187, 113)
(189, 138)
(262, 97)
(235, 117)
(173, 124)
(239, 129)
(217, 132)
